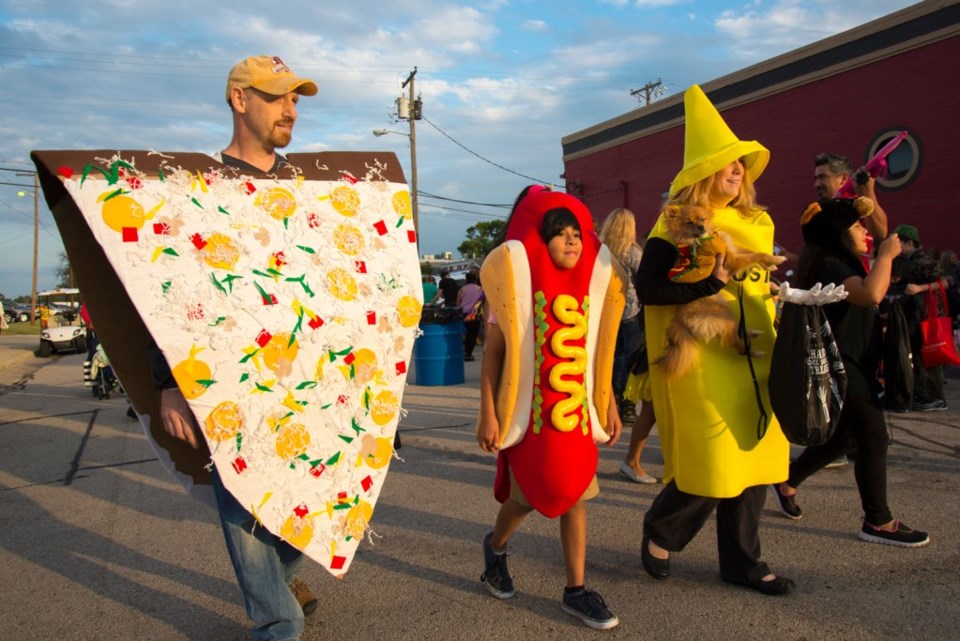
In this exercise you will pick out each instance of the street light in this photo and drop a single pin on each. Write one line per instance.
(414, 207)
(36, 241)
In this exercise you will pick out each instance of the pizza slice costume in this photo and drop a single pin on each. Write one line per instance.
(560, 328)
(285, 304)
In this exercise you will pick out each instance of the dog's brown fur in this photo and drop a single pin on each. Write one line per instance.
(706, 318)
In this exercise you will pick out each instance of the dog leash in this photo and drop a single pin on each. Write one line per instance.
(744, 335)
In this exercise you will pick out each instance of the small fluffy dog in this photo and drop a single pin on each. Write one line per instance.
(706, 318)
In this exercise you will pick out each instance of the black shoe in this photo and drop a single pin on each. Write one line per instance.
(590, 608)
(840, 462)
(936, 405)
(495, 575)
(787, 504)
(902, 536)
(778, 586)
(130, 412)
(657, 568)
(468, 357)
(397, 443)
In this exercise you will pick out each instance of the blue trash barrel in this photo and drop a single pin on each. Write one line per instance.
(438, 353)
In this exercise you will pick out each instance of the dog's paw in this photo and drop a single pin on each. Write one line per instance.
(771, 263)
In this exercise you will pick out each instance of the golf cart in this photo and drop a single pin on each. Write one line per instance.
(61, 328)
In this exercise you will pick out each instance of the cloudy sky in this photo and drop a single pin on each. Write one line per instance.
(501, 82)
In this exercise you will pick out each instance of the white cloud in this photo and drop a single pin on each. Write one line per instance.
(786, 24)
(535, 25)
(642, 4)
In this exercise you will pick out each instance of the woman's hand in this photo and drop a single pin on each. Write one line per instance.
(719, 271)
(889, 247)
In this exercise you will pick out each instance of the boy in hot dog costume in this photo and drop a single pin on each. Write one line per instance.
(721, 443)
(555, 299)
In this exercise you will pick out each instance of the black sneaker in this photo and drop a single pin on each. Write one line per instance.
(840, 462)
(590, 608)
(936, 405)
(902, 536)
(496, 576)
(788, 506)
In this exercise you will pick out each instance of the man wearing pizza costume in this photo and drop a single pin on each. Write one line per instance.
(280, 298)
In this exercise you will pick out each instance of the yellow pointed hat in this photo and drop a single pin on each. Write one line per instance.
(710, 145)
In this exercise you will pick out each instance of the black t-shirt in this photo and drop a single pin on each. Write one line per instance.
(857, 331)
(449, 287)
(278, 162)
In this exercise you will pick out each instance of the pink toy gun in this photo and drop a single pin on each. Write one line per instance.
(876, 166)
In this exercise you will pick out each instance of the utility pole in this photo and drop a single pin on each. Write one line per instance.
(36, 247)
(650, 91)
(412, 116)
(36, 242)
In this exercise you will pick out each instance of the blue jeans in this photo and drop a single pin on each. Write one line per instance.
(628, 341)
(264, 565)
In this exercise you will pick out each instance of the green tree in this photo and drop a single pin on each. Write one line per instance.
(64, 271)
(481, 238)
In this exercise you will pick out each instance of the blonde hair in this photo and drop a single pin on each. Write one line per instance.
(698, 193)
(619, 232)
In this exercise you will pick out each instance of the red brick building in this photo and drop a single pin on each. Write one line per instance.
(846, 94)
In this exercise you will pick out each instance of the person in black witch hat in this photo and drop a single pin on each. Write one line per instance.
(835, 238)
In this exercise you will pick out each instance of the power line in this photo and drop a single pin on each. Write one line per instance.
(465, 202)
(473, 214)
(486, 160)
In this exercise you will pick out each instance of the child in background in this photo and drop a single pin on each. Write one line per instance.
(547, 451)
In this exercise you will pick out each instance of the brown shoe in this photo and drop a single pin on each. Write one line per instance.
(308, 602)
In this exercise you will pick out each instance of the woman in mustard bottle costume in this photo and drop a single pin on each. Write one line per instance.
(721, 442)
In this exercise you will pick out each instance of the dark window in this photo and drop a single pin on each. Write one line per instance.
(903, 164)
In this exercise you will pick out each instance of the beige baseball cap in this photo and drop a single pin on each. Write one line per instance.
(268, 74)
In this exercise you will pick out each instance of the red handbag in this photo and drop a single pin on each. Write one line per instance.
(937, 332)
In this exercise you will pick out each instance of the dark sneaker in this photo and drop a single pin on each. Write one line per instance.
(787, 504)
(590, 608)
(308, 602)
(936, 405)
(902, 536)
(495, 575)
(840, 462)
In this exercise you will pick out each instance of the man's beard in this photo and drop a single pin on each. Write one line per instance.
(280, 138)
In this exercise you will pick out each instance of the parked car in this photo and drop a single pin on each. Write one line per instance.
(15, 312)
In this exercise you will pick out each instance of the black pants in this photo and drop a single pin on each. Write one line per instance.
(861, 427)
(927, 381)
(676, 517)
(470, 338)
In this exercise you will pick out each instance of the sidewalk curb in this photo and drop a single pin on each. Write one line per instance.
(16, 360)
